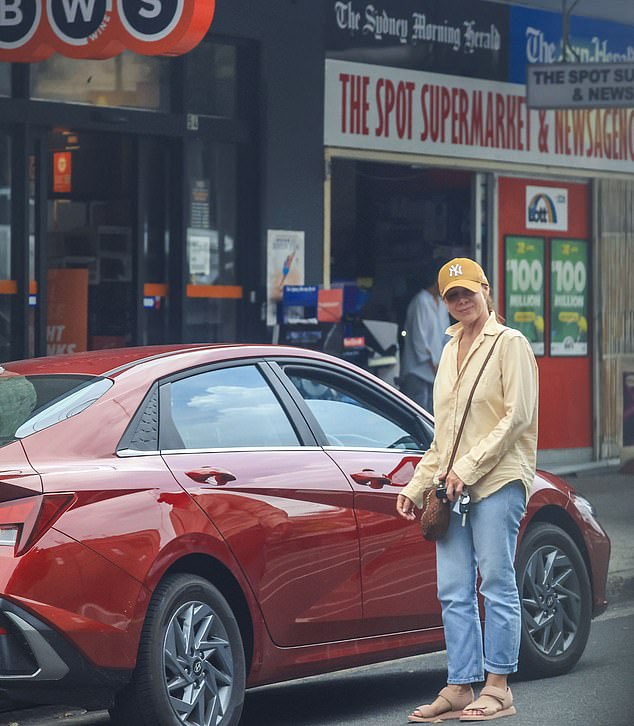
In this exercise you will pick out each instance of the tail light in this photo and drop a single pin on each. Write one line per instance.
(24, 521)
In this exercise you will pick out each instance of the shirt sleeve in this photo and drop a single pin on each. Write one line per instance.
(424, 474)
(519, 384)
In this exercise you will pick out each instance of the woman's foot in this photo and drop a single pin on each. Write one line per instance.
(449, 704)
(492, 703)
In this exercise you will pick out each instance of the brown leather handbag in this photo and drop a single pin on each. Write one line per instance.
(434, 519)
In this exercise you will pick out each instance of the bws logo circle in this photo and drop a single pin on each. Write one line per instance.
(19, 20)
(150, 19)
(76, 22)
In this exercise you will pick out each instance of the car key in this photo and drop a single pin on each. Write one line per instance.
(465, 503)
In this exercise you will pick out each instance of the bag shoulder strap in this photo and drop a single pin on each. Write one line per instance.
(468, 406)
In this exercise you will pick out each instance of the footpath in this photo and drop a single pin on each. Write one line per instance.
(612, 493)
(609, 490)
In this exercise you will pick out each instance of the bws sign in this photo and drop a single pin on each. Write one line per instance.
(31, 30)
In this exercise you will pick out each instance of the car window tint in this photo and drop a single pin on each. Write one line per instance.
(229, 408)
(350, 418)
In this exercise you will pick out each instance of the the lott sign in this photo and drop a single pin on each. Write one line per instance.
(31, 30)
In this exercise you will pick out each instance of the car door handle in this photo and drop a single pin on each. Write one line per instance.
(205, 473)
(370, 478)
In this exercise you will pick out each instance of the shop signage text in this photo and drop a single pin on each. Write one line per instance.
(546, 208)
(463, 37)
(524, 288)
(414, 28)
(31, 30)
(535, 37)
(569, 297)
(391, 109)
(580, 85)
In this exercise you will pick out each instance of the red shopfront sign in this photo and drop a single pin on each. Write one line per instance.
(31, 30)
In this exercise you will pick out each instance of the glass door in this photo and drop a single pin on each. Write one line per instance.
(155, 223)
(107, 247)
(91, 194)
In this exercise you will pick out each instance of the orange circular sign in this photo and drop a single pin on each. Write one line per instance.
(31, 30)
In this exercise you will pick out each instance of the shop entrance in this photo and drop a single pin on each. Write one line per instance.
(391, 220)
(107, 241)
(392, 226)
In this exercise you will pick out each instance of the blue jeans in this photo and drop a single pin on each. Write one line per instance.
(486, 543)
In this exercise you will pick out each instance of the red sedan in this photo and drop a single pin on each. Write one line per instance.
(180, 523)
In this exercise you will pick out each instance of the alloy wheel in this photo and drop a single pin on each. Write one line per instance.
(197, 665)
(551, 600)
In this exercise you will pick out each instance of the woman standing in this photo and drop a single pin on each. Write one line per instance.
(495, 465)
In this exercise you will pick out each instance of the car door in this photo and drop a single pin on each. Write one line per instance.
(376, 440)
(233, 439)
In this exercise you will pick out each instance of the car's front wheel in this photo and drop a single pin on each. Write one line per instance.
(556, 601)
(190, 667)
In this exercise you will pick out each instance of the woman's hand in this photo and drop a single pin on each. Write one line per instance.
(405, 507)
(454, 485)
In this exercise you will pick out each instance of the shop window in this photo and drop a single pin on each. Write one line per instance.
(211, 80)
(212, 291)
(129, 80)
(5, 79)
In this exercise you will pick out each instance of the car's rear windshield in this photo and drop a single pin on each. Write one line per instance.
(32, 403)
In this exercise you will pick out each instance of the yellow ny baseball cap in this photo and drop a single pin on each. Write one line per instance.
(461, 272)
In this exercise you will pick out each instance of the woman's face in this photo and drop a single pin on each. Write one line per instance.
(467, 306)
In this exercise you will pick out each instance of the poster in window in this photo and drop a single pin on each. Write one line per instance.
(284, 266)
(524, 288)
(569, 298)
(67, 324)
(62, 172)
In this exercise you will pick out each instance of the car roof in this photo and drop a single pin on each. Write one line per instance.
(163, 359)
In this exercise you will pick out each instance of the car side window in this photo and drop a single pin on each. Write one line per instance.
(351, 416)
(227, 408)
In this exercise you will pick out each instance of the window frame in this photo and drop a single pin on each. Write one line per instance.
(350, 380)
(167, 433)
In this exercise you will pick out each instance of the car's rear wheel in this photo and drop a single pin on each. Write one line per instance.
(556, 601)
(190, 667)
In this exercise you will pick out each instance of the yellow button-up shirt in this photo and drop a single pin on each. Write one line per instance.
(499, 440)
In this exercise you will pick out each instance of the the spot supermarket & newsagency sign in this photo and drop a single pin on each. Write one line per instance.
(381, 108)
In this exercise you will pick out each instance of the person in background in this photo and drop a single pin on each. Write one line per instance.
(495, 465)
(426, 321)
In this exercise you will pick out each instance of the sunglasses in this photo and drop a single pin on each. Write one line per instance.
(458, 292)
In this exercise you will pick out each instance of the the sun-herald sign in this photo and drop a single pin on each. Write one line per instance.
(31, 30)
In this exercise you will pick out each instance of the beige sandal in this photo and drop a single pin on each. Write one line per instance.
(474, 712)
(455, 704)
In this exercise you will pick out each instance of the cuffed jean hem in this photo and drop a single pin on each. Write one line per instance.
(500, 670)
(457, 682)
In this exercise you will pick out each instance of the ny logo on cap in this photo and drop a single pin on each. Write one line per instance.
(455, 270)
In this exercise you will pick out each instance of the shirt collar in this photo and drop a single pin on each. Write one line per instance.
(491, 327)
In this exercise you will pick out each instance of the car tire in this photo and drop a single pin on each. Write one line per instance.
(190, 666)
(556, 601)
